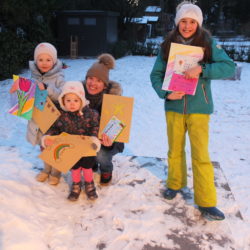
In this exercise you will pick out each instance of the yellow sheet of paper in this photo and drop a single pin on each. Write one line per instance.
(120, 107)
(45, 119)
(67, 150)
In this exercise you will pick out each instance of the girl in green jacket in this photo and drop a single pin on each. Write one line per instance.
(190, 113)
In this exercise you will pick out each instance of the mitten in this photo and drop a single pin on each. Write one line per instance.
(96, 145)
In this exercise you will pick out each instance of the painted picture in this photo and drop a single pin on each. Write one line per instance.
(23, 97)
(182, 57)
(67, 150)
(120, 107)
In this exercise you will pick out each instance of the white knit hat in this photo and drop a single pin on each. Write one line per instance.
(188, 10)
(75, 87)
(45, 48)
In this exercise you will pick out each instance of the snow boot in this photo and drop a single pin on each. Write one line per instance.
(53, 180)
(170, 194)
(106, 178)
(90, 190)
(75, 191)
(211, 213)
(42, 176)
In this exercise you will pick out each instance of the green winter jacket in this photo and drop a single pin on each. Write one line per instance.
(221, 67)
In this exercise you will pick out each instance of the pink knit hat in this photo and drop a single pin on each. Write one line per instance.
(45, 48)
(75, 87)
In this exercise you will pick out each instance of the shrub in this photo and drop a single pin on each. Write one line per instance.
(120, 49)
(14, 54)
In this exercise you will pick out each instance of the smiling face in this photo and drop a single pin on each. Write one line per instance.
(44, 63)
(94, 85)
(187, 27)
(72, 102)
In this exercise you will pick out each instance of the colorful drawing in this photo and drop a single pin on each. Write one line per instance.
(46, 117)
(66, 150)
(181, 57)
(120, 107)
(113, 128)
(59, 149)
(23, 93)
(40, 98)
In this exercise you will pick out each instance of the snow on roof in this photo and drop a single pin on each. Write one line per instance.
(153, 9)
(145, 19)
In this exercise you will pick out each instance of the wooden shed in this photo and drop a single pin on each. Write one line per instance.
(86, 32)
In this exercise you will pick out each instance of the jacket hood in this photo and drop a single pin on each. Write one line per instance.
(56, 68)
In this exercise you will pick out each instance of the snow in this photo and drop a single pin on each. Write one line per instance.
(127, 214)
(153, 9)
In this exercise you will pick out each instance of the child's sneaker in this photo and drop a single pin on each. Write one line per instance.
(170, 194)
(211, 213)
(42, 176)
(53, 180)
(75, 191)
(90, 190)
(106, 178)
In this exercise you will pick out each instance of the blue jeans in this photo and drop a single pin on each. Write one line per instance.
(105, 155)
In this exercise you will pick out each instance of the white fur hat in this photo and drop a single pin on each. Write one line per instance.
(74, 87)
(188, 10)
(45, 48)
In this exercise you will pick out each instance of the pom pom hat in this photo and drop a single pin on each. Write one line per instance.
(188, 10)
(76, 88)
(101, 68)
(45, 48)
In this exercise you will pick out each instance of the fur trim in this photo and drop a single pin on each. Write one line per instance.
(115, 88)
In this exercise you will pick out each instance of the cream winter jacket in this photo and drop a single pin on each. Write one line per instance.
(54, 81)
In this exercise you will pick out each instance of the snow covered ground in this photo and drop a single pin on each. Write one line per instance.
(38, 216)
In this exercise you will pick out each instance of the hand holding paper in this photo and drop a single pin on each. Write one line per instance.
(193, 72)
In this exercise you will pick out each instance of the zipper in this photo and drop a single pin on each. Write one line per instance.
(185, 105)
(204, 92)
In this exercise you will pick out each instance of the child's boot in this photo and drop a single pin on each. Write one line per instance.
(42, 176)
(90, 190)
(75, 191)
(53, 180)
(170, 194)
(106, 178)
(211, 213)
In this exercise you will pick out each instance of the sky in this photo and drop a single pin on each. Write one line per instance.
(130, 213)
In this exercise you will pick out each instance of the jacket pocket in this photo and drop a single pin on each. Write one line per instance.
(32, 132)
(204, 93)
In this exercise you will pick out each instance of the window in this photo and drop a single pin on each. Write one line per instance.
(73, 20)
(89, 21)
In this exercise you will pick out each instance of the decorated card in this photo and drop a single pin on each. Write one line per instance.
(121, 108)
(23, 97)
(67, 150)
(113, 128)
(181, 58)
(46, 117)
(40, 98)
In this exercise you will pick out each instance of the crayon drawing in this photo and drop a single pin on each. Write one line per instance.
(23, 96)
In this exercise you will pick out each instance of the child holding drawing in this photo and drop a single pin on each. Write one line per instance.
(97, 84)
(190, 113)
(77, 119)
(46, 70)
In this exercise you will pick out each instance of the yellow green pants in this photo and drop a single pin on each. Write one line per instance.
(197, 126)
